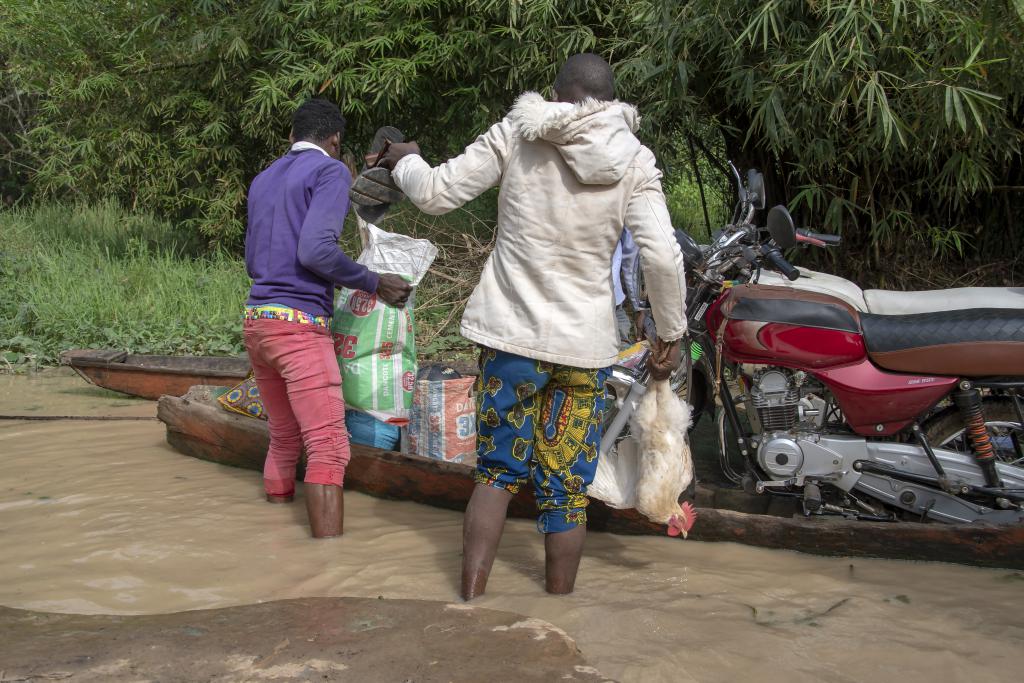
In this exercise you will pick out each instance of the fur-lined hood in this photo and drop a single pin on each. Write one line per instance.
(596, 139)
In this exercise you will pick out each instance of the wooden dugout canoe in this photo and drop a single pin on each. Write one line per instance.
(153, 376)
(199, 427)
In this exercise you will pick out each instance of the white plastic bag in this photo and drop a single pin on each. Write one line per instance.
(390, 252)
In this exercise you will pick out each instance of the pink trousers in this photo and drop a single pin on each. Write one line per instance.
(300, 385)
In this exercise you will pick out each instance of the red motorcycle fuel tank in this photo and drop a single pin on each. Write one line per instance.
(821, 334)
(782, 326)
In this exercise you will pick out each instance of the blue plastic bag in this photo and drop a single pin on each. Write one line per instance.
(367, 430)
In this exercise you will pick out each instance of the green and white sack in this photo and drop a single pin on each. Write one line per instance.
(376, 343)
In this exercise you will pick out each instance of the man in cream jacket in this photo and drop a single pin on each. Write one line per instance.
(571, 174)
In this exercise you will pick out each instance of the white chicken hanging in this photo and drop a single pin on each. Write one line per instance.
(650, 470)
(665, 462)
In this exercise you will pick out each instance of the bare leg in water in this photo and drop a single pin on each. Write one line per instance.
(481, 533)
(325, 505)
(562, 552)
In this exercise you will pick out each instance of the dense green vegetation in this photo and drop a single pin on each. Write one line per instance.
(96, 276)
(899, 123)
(102, 277)
(896, 122)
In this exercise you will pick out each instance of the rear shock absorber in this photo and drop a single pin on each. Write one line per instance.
(968, 401)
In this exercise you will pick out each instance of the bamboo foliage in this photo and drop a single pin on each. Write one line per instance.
(175, 105)
(892, 121)
(895, 122)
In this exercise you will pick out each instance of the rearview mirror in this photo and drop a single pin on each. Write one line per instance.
(755, 188)
(781, 227)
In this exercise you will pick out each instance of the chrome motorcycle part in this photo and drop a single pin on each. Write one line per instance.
(781, 457)
(759, 487)
(625, 390)
(774, 396)
(811, 410)
(830, 459)
(931, 502)
(827, 459)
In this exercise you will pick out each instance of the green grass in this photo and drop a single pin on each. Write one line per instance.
(104, 227)
(94, 277)
(99, 276)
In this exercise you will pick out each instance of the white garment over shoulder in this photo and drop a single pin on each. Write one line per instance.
(570, 176)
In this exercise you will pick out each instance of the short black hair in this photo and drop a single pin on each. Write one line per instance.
(316, 119)
(585, 75)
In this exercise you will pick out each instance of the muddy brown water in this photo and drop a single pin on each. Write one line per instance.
(104, 518)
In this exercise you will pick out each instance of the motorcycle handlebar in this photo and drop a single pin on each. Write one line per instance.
(749, 254)
(819, 239)
(779, 263)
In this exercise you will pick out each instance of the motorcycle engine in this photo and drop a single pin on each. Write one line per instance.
(780, 403)
(779, 399)
(774, 396)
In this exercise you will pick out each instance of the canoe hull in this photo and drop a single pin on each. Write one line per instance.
(196, 426)
(151, 377)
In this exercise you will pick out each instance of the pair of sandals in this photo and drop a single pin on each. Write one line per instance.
(374, 190)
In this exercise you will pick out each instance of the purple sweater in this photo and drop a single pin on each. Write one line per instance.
(297, 207)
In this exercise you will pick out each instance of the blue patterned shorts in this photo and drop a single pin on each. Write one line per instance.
(540, 421)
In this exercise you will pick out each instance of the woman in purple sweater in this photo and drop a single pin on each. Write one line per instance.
(296, 208)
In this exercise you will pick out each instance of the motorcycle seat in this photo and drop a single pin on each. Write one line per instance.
(886, 302)
(976, 342)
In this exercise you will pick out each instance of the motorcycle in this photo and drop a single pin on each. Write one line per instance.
(876, 405)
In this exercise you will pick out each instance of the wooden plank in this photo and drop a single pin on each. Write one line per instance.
(101, 356)
(198, 427)
(209, 366)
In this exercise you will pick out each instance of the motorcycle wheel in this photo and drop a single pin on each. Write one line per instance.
(946, 430)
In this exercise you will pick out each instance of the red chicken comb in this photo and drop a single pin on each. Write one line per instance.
(680, 525)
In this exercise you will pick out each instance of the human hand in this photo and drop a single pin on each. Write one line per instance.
(393, 289)
(663, 359)
(640, 321)
(391, 154)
